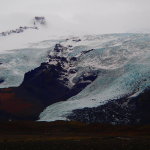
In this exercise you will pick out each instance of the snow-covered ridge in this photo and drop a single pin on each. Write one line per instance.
(17, 31)
(36, 22)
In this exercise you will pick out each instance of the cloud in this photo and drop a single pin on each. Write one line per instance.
(88, 16)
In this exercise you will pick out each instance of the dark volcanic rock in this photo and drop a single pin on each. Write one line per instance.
(44, 83)
(122, 111)
(84, 52)
(76, 40)
(73, 59)
(59, 48)
(1, 81)
(48, 83)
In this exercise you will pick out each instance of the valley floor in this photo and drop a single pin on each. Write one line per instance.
(72, 136)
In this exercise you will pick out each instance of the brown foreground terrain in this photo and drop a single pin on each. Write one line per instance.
(72, 136)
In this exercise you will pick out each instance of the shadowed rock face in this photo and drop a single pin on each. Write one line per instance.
(1, 81)
(44, 82)
(51, 82)
(45, 85)
(122, 111)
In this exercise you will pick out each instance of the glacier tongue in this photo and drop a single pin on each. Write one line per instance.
(122, 62)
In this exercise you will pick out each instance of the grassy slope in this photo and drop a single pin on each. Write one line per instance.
(72, 136)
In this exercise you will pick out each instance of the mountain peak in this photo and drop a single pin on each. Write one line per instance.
(39, 20)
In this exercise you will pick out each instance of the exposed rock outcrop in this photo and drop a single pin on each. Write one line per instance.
(51, 82)
(134, 110)
(1, 80)
(35, 26)
(17, 31)
(39, 20)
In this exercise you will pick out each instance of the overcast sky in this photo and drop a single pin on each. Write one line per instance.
(87, 16)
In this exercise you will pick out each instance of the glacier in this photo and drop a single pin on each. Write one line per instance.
(123, 65)
(121, 61)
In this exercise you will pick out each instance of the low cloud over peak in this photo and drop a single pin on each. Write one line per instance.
(87, 16)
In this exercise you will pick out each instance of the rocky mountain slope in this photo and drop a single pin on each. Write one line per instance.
(122, 111)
